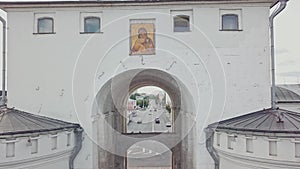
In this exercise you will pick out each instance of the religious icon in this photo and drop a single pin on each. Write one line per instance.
(142, 39)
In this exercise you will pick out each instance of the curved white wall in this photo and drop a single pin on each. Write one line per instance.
(271, 152)
(42, 155)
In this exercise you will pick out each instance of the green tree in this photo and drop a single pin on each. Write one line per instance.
(139, 103)
(143, 103)
(133, 96)
(146, 103)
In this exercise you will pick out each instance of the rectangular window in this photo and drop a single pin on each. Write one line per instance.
(297, 150)
(230, 19)
(230, 22)
(230, 140)
(68, 139)
(34, 146)
(218, 139)
(44, 23)
(90, 22)
(53, 142)
(10, 149)
(182, 20)
(181, 23)
(249, 145)
(273, 148)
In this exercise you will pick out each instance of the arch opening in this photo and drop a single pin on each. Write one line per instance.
(149, 109)
(111, 128)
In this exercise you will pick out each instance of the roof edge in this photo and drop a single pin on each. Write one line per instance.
(38, 4)
(215, 126)
(12, 134)
(54, 125)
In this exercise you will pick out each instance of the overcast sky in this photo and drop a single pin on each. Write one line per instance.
(287, 48)
(287, 26)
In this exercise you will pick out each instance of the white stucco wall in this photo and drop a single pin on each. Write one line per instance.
(286, 156)
(59, 74)
(44, 158)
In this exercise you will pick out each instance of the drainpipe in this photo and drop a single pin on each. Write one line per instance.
(209, 132)
(3, 99)
(271, 20)
(77, 148)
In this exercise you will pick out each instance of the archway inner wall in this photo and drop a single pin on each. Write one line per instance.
(111, 103)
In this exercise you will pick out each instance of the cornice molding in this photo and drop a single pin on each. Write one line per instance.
(74, 4)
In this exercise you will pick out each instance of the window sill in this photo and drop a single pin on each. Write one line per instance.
(48, 33)
(91, 32)
(231, 30)
(149, 133)
(182, 31)
(141, 54)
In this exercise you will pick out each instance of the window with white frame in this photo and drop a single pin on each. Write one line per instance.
(34, 146)
(10, 149)
(182, 20)
(297, 149)
(53, 142)
(68, 139)
(218, 139)
(272, 147)
(230, 140)
(181, 23)
(44, 23)
(90, 22)
(230, 20)
(249, 145)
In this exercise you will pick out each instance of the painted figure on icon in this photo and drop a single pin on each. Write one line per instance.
(141, 39)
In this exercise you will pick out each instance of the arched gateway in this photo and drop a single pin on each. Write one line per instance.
(82, 67)
(110, 120)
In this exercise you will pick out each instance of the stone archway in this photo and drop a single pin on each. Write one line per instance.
(109, 126)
